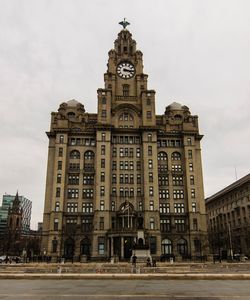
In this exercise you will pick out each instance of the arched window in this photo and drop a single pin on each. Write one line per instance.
(71, 115)
(176, 156)
(182, 246)
(178, 117)
(89, 155)
(162, 156)
(166, 246)
(125, 117)
(74, 154)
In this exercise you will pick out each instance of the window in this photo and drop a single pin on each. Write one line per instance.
(56, 221)
(125, 90)
(149, 114)
(162, 156)
(131, 152)
(180, 225)
(195, 224)
(114, 191)
(176, 156)
(101, 244)
(104, 113)
(138, 152)
(57, 206)
(58, 191)
(87, 207)
(148, 101)
(89, 155)
(192, 179)
(74, 167)
(150, 177)
(149, 150)
(121, 152)
(114, 164)
(179, 208)
(102, 163)
(138, 192)
(190, 154)
(149, 137)
(163, 194)
(113, 206)
(73, 179)
(59, 178)
(150, 164)
(131, 165)
(114, 153)
(151, 205)
(86, 224)
(101, 223)
(60, 152)
(152, 223)
(59, 165)
(102, 191)
(61, 139)
(103, 136)
(177, 180)
(164, 208)
(151, 191)
(140, 206)
(102, 150)
(138, 165)
(54, 245)
(72, 207)
(192, 193)
(193, 207)
(102, 176)
(165, 225)
(178, 194)
(88, 179)
(163, 179)
(191, 168)
(101, 205)
(113, 178)
(131, 178)
(176, 168)
(189, 141)
(121, 178)
(74, 154)
(152, 245)
(87, 193)
(73, 193)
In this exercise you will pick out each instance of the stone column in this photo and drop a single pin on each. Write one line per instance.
(112, 247)
(122, 247)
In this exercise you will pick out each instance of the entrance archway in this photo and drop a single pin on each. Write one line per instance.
(69, 248)
(85, 247)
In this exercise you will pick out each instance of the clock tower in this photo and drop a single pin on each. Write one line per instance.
(124, 178)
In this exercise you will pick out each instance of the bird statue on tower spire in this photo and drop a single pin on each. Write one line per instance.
(124, 23)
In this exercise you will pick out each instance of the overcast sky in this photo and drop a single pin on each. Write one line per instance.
(195, 52)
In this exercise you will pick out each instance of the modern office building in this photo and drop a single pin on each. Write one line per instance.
(26, 206)
(228, 214)
(124, 177)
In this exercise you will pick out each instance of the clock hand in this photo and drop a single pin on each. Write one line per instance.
(127, 70)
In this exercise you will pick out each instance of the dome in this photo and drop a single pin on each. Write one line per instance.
(72, 103)
(175, 106)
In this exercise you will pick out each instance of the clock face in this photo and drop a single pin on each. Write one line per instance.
(126, 70)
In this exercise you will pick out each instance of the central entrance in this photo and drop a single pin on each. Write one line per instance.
(128, 246)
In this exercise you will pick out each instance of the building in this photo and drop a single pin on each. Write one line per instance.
(124, 177)
(26, 206)
(228, 214)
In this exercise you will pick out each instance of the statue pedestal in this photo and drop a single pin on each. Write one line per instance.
(142, 255)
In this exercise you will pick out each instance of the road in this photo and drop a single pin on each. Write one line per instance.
(124, 289)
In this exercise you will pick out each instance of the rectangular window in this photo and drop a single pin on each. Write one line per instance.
(113, 178)
(138, 178)
(87, 179)
(150, 177)
(87, 193)
(149, 150)
(163, 179)
(113, 206)
(72, 207)
(149, 137)
(131, 165)
(60, 152)
(150, 164)
(191, 168)
(193, 207)
(61, 139)
(165, 225)
(59, 165)
(138, 152)
(131, 178)
(104, 114)
(59, 178)
(58, 191)
(177, 180)
(140, 206)
(151, 205)
(101, 223)
(102, 177)
(152, 223)
(102, 163)
(102, 191)
(164, 208)
(195, 224)
(114, 153)
(57, 206)
(56, 221)
(138, 192)
(189, 141)
(180, 225)
(192, 193)
(178, 194)
(101, 248)
(176, 168)
(190, 154)
(149, 114)
(121, 152)
(114, 165)
(179, 208)
(87, 207)
(102, 205)
(103, 150)
(103, 136)
(131, 152)
(73, 193)
(138, 165)
(151, 191)
(73, 179)
(163, 194)
(191, 179)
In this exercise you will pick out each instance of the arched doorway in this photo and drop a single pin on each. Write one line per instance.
(85, 247)
(69, 248)
(182, 247)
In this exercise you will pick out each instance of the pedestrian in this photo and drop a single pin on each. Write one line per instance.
(148, 262)
(134, 258)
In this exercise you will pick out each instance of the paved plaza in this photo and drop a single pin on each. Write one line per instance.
(124, 289)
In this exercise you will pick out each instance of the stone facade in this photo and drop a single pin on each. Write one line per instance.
(229, 219)
(124, 177)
